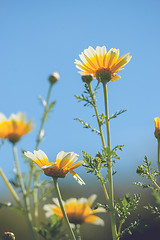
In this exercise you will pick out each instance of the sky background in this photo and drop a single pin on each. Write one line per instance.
(41, 37)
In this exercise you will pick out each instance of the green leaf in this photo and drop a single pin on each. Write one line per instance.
(86, 125)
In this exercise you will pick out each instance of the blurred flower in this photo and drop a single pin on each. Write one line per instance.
(102, 64)
(14, 127)
(78, 210)
(8, 236)
(157, 127)
(64, 164)
(54, 77)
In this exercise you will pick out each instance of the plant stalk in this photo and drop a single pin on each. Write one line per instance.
(24, 192)
(110, 179)
(62, 208)
(159, 155)
(32, 166)
(11, 189)
(101, 134)
(96, 112)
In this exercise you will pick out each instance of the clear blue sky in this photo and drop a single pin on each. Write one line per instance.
(40, 37)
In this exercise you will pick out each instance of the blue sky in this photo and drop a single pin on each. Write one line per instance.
(40, 37)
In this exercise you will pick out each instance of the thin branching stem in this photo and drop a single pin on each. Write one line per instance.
(24, 192)
(110, 179)
(62, 209)
(38, 137)
(36, 178)
(101, 134)
(32, 165)
(9, 186)
(96, 112)
(154, 182)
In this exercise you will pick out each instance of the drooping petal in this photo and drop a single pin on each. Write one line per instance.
(76, 177)
(115, 78)
(94, 220)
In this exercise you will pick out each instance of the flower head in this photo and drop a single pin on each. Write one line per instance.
(54, 77)
(65, 162)
(78, 210)
(14, 127)
(157, 127)
(101, 64)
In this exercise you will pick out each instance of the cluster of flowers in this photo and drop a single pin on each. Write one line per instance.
(95, 63)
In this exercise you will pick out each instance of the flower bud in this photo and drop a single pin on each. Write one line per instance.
(54, 77)
(8, 236)
(140, 170)
(87, 78)
(103, 75)
(157, 128)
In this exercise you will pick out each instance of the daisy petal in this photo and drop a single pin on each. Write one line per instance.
(76, 177)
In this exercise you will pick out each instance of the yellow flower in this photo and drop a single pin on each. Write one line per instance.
(78, 210)
(64, 164)
(14, 127)
(100, 63)
(157, 127)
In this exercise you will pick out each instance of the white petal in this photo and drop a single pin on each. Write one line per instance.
(30, 155)
(2, 117)
(61, 155)
(92, 198)
(55, 200)
(98, 221)
(82, 200)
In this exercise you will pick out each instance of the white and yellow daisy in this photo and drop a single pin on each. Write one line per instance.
(14, 127)
(99, 61)
(78, 210)
(65, 162)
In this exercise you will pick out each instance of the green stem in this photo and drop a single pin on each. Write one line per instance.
(96, 112)
(154, 182)
(120, 226)
(62, 208)
(101, 133)
(24, 192)
(44, 117)
(38, 137)
(111, 193)
(158, 155)
(11, 189)
(32, 166)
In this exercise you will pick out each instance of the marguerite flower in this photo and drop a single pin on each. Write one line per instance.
(78, 210)
(102, 64)
(14, 127)
(65, 162)
(157, 127)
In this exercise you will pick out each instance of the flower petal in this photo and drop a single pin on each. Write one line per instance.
(76, 177)
(76, 165)
(94, 220)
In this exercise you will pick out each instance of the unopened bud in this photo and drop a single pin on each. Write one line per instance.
(87, 78)
(103, 75)
(8, 236)
(54, 77)
(140, 170)
(157, 128)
